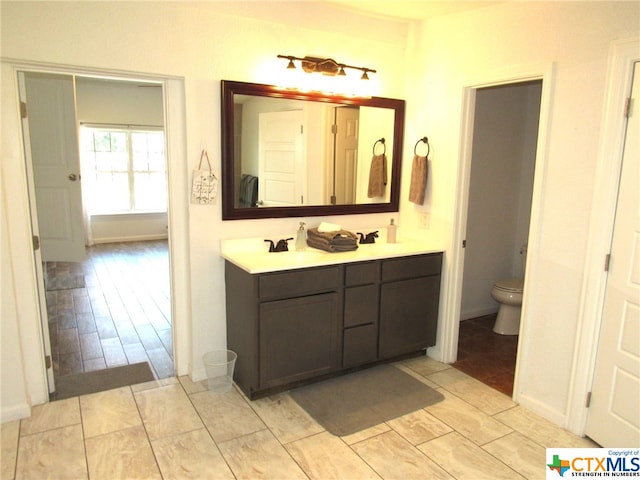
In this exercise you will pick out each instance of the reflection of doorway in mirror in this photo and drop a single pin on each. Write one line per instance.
(282, 169)
(344, 160)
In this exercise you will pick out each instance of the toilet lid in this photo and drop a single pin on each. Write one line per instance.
(511, 284)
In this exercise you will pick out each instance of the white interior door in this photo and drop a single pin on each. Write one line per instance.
(51, 142)
(346, 155)
(614, 413)
(281, 169)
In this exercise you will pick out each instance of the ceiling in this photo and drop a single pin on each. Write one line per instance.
(409, 10)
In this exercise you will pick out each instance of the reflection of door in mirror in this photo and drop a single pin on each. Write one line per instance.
(281, 169)
(343, 166)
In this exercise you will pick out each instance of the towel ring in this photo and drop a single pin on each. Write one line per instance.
(383, 144)
(425, 140)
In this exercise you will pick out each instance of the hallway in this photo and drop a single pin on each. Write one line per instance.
(113, 309)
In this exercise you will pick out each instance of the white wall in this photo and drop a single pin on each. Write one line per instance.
(572, 41)
(429, 67)
(500, 191)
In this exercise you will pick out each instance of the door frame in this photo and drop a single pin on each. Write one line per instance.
(451, 327)
(31, 335)
(622, 55)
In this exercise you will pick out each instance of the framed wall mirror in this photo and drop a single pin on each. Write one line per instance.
(292, 154)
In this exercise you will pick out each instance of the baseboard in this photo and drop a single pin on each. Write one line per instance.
(139, 238)
(478, 312)
(554, 416)
(8, 414)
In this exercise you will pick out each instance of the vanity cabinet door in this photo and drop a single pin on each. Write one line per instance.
(408, 315)
(298, 338)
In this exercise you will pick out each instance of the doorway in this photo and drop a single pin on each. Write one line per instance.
(87, 329)
(504, 146)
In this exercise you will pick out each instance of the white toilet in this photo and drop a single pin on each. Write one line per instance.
(508, 292)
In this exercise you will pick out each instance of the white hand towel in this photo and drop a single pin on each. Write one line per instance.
(328, 227)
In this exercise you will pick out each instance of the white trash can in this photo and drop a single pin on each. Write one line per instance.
(219, 365)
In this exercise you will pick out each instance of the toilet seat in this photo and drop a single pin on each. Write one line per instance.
(512, 285)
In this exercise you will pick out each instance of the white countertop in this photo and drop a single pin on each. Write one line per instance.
(253, 256)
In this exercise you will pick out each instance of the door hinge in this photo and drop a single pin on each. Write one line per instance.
(627, 107)
(607, 260)
(23, 109)
(36, 242)
(464, 244)
(47, 361)
(588, 403)
(334, 129)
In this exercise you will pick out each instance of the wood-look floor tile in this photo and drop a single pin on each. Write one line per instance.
(55, 454)
(113, 352)
(285, 418)
(161, 362)
(122, 454)
(391, 456)
(69, 363)
(109, 411)
(474, 392)
(10, 432)
(418, 427)
(520, 453)
(542, 430)
(167, 411)
(93, 364)
(191, 455)
(324, 456)
(425, 365)
(447, 451)
(467, 419)
(50, 416)
(68, 341)
(90, 346)
(260, 456)
(226, 415)
(135, 353)
(366, 434)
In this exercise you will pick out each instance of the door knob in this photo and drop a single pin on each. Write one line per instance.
(73, 177)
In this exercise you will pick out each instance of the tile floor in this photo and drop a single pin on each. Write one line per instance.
(485, 355)
(173, 428)
(122, 315)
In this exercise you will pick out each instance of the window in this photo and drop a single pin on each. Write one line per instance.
(127, 170)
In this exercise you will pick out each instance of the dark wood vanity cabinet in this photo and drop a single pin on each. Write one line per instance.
(290, 327)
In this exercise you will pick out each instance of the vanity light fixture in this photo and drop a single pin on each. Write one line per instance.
(328, 68)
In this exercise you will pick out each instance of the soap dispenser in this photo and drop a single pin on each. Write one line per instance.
(391, 232)
(301, 237)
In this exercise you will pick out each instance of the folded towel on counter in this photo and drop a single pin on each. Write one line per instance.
(377, 176)
(419, 174)
(328, 227)
(340, 237)
(326, 245)
(336, 241)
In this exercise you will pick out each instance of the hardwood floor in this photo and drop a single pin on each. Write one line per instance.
(122, 314)
(485, 355)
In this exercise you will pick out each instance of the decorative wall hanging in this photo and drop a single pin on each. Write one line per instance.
(204, 187)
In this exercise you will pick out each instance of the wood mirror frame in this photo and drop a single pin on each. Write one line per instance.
(231, 212)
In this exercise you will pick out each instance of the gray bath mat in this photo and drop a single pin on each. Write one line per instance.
(354, 402)
(91, 382)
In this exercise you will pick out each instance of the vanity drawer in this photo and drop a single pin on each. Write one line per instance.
(361, 273)
(360, 346)
(411, 267)
(361, 305)
(295, 283)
